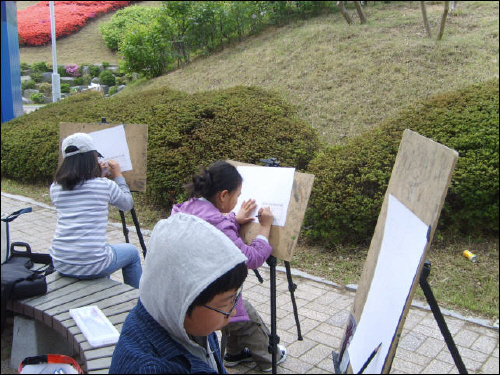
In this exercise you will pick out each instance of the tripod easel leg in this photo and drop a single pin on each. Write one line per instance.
(291, 287)
(136, 223)
(273, 337)
(448, 338)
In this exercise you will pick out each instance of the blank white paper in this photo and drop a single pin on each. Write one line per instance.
(269, 186)
(403, 245)
(112, 144)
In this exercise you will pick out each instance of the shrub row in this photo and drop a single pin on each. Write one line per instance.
(351, 180)
(247, 124)
(185, 132)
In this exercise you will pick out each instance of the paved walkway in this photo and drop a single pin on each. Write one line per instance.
(323, 311)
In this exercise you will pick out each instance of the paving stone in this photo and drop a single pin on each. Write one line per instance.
(411, 341)
(485, 344)
(317, 354)
(317, 370)
(465, 338)
(296, 366)
(399, 364)
(437, 367)
(430, 347)
(298, 348)
(329, 339)
(490, 366)
(413, 357)
(327, 365)
(340, 319)
(314, 315)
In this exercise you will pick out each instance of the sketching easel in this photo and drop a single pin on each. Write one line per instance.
(137, 140)
(419, 182)
(283, 240)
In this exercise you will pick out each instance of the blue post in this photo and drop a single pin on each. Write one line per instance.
(12, 103)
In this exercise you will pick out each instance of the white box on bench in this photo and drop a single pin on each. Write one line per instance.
(96, 327)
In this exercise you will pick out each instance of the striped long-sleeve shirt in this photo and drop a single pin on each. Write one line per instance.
(79, 245)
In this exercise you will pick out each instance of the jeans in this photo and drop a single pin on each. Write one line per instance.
(126, 257)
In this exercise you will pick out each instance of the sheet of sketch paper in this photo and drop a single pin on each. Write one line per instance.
(269, 186)
(112, 144)
(402, 248)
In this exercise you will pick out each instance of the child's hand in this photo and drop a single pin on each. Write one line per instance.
(266, 217)
(104, 168)
(243, 215)
(114, 169)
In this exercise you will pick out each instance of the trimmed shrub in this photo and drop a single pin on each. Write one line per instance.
(107, 78)
(40, 67)
(351, 180)
(105, 64)
(25, 66)
(61, 70)
(126, 19)
(37, 76)
(37, 98)
(78, 81)
(65, 88)
(28, 84)
(112, 90)
(45, 88)
(94, 70)
(185, 132)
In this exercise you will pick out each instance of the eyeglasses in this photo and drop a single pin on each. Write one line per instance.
(228, 314)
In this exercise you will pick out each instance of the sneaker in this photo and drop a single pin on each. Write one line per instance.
(233, 360)
(283, 352)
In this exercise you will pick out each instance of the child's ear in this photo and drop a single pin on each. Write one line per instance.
(223, 195)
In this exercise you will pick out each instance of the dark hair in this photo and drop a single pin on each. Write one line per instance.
(232, 279)
(218, 177)
(78, 168)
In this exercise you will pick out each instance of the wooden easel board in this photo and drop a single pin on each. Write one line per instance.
(284, 239)
(137, 140)
(418, 185)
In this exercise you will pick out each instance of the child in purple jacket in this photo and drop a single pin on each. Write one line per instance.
(214, 194)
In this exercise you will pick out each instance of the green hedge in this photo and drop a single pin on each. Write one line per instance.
(351, 180)
(185, 132)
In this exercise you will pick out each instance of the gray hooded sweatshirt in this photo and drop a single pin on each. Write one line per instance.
(185, 255)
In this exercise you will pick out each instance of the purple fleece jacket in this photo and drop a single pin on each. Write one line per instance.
(257, 252)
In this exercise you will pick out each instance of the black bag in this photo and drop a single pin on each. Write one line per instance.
(18, 279)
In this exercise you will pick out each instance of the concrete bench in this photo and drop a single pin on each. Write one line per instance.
(44, 325)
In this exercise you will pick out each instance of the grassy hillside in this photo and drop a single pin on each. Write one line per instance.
(343, 79)
(346, 79)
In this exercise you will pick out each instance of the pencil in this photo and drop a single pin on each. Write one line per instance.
(369, 359)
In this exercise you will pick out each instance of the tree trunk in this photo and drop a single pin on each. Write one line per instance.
(426, 21)
(344, 12)
(443, 20)
(361, 13)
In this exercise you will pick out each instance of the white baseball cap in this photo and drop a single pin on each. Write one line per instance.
(83, 142)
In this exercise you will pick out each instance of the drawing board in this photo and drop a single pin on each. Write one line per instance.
(283, 238)
(415, 195)
(112, 143)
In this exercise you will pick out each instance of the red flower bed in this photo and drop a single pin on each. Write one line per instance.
(33, 23)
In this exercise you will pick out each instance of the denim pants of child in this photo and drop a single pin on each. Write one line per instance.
(126, 257)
